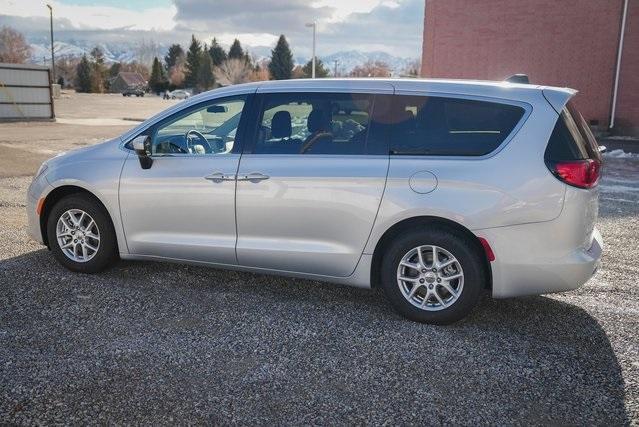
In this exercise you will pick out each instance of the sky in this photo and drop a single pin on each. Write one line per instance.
(392, 26)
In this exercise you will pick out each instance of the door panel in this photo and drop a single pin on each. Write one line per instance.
(172, 210)
(184, 206)
(322, 167)
(313, 214)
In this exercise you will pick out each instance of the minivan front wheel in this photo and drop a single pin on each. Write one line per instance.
(433, 276)
(81, 235)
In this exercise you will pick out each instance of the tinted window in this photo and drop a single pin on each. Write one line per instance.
(440, 126)
(313, 123)
(571, 138)
(209, 128)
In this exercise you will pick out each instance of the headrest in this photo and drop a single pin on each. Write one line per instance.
(281, 125)
(318, 120)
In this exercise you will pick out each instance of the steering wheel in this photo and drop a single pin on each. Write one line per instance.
(205, 142)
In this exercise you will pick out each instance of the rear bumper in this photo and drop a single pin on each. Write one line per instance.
(527, 263)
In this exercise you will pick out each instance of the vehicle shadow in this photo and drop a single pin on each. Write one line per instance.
(146, 341)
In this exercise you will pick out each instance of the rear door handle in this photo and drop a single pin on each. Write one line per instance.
(253, 176)
(219, 176)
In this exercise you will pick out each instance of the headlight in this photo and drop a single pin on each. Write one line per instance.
(43, 168)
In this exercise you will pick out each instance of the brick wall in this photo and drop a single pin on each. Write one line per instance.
(561, 43)
(627, 116)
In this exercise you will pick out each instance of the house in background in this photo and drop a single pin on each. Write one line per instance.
(558, 43)
(126, 80)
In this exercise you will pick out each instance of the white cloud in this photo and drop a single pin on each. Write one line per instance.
(94, 17)
(393, 26)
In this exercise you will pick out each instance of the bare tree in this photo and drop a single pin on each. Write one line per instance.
(66, 67)
(233, 71)
(372, 69)
(260, 74)
(13, 47)
(136, 67)
(176, 75)
(413, 68)
(146, 51)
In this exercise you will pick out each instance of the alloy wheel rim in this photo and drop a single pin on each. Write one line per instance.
(78, 235)
(430, 278)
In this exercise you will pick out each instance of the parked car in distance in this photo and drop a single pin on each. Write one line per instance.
(133, 90)
(433, 190)
(179, 94)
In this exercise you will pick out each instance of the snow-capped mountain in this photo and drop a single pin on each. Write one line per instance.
(144, 52)
(41, 52)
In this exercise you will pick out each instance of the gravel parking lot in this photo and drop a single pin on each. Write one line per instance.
(158, 343)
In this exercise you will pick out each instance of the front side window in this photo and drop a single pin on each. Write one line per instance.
(313, 123)
(209, 128)
(440, 126)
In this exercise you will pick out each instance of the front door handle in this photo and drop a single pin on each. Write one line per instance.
(253, 177)
(219, 176)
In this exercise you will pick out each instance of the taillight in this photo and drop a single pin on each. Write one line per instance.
(579, 173)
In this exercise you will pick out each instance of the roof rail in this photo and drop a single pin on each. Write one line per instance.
(518, 78)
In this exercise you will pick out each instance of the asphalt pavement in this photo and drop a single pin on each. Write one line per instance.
(150, 343)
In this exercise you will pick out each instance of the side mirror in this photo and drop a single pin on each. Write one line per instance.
(142, 147)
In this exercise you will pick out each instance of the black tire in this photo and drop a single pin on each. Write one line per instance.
(461, 247)
(107, 253)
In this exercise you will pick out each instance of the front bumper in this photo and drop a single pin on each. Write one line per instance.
(38, 189)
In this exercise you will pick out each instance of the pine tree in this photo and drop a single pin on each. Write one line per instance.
(83, 75)
(320, 69)
(217, 53)
(173, 55)
(281, 66)
(235, 51)
(205, 77)
(98, 72)
(157, 81)
(115, 69)
(193, 60)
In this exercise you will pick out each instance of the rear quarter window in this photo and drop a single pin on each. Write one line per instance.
(571, 138)
(440, 126)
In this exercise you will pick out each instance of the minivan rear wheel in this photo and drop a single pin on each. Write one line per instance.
(81, 235)
(433, 276)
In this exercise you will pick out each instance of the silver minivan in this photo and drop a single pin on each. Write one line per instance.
(433, 190)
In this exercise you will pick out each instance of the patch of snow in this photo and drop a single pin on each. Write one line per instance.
(622, 138)
(614, 199)
(615, 188)
(620, 154)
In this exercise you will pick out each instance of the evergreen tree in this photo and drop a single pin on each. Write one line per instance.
(236, 51)
(83, 75)
(217, 53)
(98, 72)
(115, 69)
(281, 66)
(157, 81)
(173, 55)
(320, 68)
(205, 77)
(193, 61)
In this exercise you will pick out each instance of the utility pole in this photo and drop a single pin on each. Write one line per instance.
(314, 25)
(335, 68)
(52, 55)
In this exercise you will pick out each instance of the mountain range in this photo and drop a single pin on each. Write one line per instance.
(144, 52)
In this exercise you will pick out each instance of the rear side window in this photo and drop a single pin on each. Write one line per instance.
(314, 123)
(571, 139)
(439, 126)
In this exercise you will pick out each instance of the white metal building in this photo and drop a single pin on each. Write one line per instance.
(25, 93)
